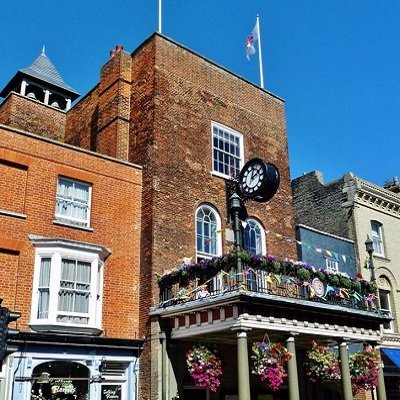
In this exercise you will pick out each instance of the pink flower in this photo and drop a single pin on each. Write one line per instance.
(204, 367)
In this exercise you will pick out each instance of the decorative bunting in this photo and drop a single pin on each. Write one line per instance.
(308, 246)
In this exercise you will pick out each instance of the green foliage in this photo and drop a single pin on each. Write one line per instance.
(303, 274)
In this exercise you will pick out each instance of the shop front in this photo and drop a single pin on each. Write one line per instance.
(73, 368)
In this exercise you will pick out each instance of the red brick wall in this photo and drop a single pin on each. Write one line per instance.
(32, 116)
(115, 219)
(81, 124)
(171, 117)
(175, 97)
(13, 184)
(100, 121)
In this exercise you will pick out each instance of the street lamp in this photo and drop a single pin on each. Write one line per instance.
(235, 206)
(369, 246)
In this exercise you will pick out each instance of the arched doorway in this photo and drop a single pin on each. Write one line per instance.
(59, 380)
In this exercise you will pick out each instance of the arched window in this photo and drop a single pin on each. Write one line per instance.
(72, 381)
(208, 241)
(254, 237)
(385, 300)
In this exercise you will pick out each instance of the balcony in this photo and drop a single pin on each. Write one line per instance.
(265, 279)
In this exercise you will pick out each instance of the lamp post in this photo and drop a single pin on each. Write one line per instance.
(369, 246)
(235, 206)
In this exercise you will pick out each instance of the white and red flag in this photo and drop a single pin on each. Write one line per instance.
(250, 49)
(254, 35)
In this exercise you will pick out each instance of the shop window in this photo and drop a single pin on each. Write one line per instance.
(60, 380)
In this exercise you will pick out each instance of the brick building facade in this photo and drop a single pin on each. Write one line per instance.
(157, 108)
(190, 125)
(69, 258)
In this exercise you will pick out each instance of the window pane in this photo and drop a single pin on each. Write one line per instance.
(376, 229)
(75, 286)
(252, 237)
(44, 288)
(72, 202)
(206, 225)
(226, 152)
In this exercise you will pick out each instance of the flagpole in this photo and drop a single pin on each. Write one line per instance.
(159, 15)
(259, 53)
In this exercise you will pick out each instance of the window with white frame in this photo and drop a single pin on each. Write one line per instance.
(73, 202)
(377, 237)
(385, 301)
(331, 264)
(227, 151)
(208, 226)
(254, 237)
(67, 286)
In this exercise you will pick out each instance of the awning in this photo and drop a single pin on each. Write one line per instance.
(394, 355)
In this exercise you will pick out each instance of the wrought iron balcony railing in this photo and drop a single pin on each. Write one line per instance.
(262, 283)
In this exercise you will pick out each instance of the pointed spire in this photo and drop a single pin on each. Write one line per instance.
(42, 68)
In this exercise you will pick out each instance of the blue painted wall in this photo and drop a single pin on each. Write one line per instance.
(342, 250)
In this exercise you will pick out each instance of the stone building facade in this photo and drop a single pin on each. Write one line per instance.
(356, 209)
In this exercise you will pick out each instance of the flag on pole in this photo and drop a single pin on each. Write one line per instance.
(254, 35)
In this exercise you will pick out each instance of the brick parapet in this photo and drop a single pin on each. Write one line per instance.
(326, 201)
(33, 116)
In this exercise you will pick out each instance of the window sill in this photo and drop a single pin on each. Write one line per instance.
(74, 329)
(63, 223)
(381, 257)
(13, 214)
(223, 176)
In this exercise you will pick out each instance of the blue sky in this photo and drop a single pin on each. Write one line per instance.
(335, 62)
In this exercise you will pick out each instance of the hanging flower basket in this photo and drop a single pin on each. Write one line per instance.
(269, 361)
(321, 364)
(204, 367)
(364, 369)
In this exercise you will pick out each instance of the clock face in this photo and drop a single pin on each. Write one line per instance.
(258, 180)
(252, 177)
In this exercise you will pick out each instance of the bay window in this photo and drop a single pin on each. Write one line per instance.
(67, 286)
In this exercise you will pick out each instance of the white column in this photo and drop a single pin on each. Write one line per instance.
(46, 96)
(243, 366)
(345, 370)
(68, 106)
(23, 88)
(293, 380)
(381, 389)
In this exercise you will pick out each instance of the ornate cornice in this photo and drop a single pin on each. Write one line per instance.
(363, 193)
